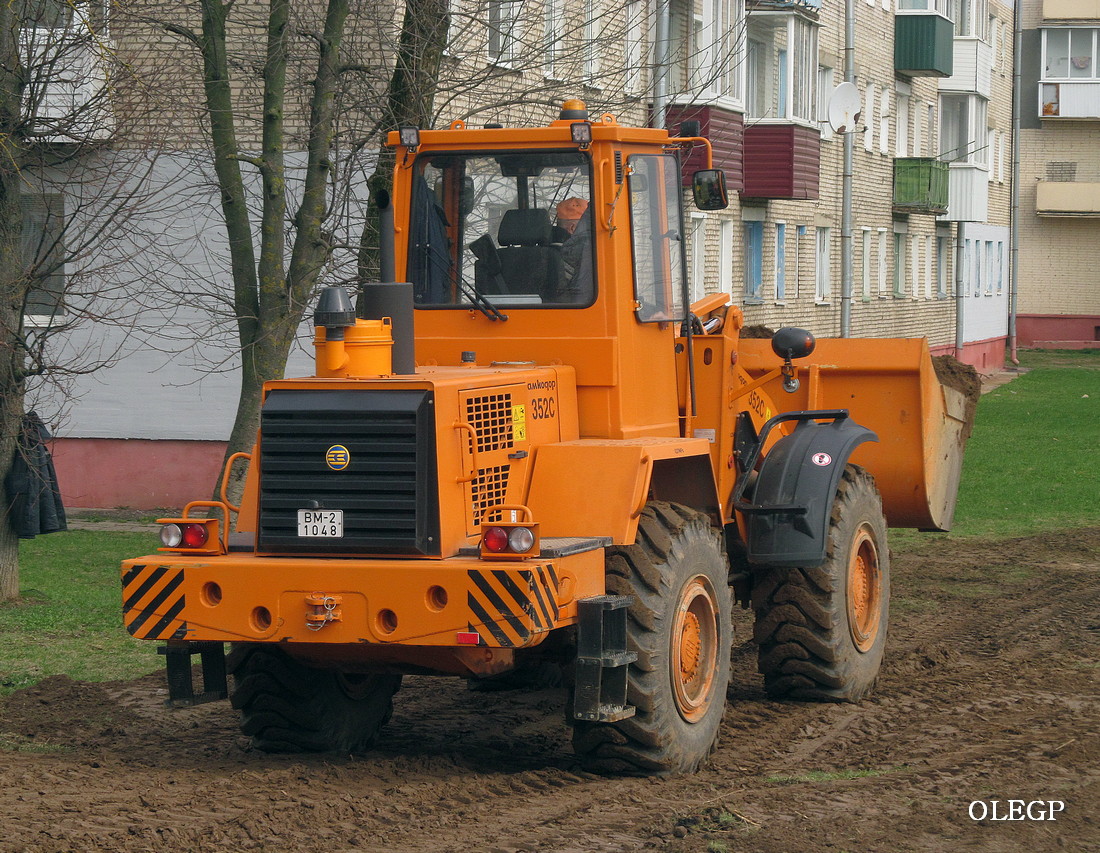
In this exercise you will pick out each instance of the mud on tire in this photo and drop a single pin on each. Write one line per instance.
(821, 631)
(286, 706)
(680, 627)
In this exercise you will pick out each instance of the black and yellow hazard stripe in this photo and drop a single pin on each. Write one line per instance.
(512, 604)
(152, 602)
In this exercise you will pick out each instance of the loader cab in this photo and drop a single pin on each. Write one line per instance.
(551, 246)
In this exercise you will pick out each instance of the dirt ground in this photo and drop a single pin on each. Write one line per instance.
(990, 691)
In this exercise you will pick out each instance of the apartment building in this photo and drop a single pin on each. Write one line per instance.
(1059, 157)
(928, 242)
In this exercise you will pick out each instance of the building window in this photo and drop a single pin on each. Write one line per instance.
(963, 129)
(1070, 53)
(719, 47)
(901, 142)
(698, 255)
(918, 134)
(866, 232)
(634, 36)
(942, 7)
(914, 265)
(882, 262)
(781, 67)
(824, 92)
(725, 259)
(970, 18)
(943, 242)
(44, 256)
(780, 262)
(729, 20)
(60, 14)
(799, 235)
(504, 30)
(928, 267)
(754, 261)
(899, 264)
(869, 118)
(552, 26)
(592, 31)
(884, 123)
(824, 271)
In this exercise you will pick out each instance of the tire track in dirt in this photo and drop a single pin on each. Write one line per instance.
(989, 691)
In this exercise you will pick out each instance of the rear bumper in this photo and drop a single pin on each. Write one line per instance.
(461, 601)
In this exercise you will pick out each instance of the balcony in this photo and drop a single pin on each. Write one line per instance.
(920, 185)
(1068, 198)
(967, 193)
(1067, 99)
(973, 68)
(923, 44)
(726, 131)
(782, 161)
(1071, 10)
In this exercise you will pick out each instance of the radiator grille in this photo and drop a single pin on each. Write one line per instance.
(491, 417)
(387, 491)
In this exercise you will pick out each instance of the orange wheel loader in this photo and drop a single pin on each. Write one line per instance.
(526, 449)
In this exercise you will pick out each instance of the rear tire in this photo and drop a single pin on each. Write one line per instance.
(680, 627)
(287, 706)
(822, 630)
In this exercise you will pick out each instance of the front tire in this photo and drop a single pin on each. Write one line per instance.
(822, 630)
(287, 707)
(680, 627)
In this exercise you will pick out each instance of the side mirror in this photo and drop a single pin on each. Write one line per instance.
(708, 186)
(789, 343)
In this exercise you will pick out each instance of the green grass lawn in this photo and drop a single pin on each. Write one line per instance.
(1033, 464)
(70, 618)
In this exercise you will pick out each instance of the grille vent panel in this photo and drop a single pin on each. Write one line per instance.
(488, 489)
(388, 492)
(491, 418)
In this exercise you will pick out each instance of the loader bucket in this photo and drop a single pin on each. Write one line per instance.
(889, 385)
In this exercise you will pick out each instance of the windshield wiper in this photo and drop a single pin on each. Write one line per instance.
(481, 302)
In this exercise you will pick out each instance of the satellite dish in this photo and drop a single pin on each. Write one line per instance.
(844, 108)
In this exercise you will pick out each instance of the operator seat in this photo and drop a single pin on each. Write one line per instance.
(529, 263)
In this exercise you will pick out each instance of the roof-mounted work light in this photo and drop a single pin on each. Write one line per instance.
(410, 137)
(581, 133)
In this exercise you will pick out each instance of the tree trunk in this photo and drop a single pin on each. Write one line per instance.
(13, 287)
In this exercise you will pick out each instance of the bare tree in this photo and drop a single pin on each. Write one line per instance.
(277, 257)
(65, 199)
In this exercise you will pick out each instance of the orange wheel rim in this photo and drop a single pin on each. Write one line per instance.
(695, 649)
(864, 590)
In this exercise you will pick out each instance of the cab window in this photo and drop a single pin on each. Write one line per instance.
(502, 230)
(657, 237)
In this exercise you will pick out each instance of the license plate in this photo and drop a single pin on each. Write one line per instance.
(321, 523)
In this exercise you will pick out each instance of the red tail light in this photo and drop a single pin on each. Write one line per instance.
(495, 539)
(195, 535)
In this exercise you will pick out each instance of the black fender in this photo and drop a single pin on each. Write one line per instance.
(787, 518)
